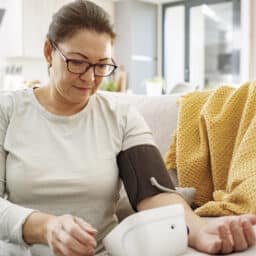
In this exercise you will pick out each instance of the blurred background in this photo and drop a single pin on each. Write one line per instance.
(162, 47)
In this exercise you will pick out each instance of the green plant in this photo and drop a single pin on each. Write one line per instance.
(108, 86)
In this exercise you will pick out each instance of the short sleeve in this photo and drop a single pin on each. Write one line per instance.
(136, 131)
(5, 112)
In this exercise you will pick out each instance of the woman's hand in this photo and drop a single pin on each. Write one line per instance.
(221, 235)
(226, 235)
(70, 236)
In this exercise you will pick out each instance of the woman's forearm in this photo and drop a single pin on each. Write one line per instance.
(34, 228)
(193, 221)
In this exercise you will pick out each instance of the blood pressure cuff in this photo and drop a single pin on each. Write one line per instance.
(138, 167)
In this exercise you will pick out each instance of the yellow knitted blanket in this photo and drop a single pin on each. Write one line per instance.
(214, 149)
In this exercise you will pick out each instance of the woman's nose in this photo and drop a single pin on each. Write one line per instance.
(88, 75)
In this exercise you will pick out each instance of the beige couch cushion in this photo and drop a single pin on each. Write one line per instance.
(160, 113)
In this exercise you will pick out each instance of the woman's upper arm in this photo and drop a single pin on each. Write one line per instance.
(12, 216)
(2, 171)
(5, 107)
(136, 130)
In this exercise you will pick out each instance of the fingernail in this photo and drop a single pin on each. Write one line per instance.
(89, 227)
(92, 230)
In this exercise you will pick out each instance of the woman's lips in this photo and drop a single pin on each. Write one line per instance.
(83, 88)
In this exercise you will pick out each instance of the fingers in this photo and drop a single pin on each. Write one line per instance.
(226, 234)
(226, 238)
(71, 246)
(68, 238)
(250, 217)
(240, 243)
(238, 229)
(72, 228)
(248, 232)
(85, 226)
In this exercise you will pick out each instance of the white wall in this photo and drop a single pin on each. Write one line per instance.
(174, 49)
(35, 68)
(246, 26)
(197, 43)
(253, 41)
(159, 41)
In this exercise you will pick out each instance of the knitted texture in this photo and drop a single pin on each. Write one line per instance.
(214, 149)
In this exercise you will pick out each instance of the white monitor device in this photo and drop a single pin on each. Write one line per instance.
(159, 231)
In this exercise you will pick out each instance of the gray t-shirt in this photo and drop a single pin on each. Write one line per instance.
(62, 164)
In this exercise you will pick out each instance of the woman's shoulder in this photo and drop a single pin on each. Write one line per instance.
(7, 96)
(8, 100)
(112, 102)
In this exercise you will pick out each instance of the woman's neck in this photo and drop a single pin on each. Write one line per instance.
(53, 102)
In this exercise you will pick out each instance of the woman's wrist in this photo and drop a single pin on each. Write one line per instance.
(34, 229)
(195, 224)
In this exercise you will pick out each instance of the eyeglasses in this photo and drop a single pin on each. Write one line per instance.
(76, 66)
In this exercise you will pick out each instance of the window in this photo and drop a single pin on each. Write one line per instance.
(201, 43)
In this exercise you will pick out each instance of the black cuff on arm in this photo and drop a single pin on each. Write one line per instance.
(137, 166)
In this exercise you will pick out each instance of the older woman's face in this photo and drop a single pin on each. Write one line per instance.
(85, 45)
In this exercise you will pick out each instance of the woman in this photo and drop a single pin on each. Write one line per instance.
(59, 145)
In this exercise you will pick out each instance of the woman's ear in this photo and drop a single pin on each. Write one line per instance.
(48, 52)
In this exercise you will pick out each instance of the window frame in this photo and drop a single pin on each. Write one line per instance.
(188, 4)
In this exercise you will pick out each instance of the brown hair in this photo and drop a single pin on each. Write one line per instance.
(77, 15)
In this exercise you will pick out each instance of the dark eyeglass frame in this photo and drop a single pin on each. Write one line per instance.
(67, 60)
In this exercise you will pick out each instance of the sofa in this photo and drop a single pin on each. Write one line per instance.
(160, 113)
